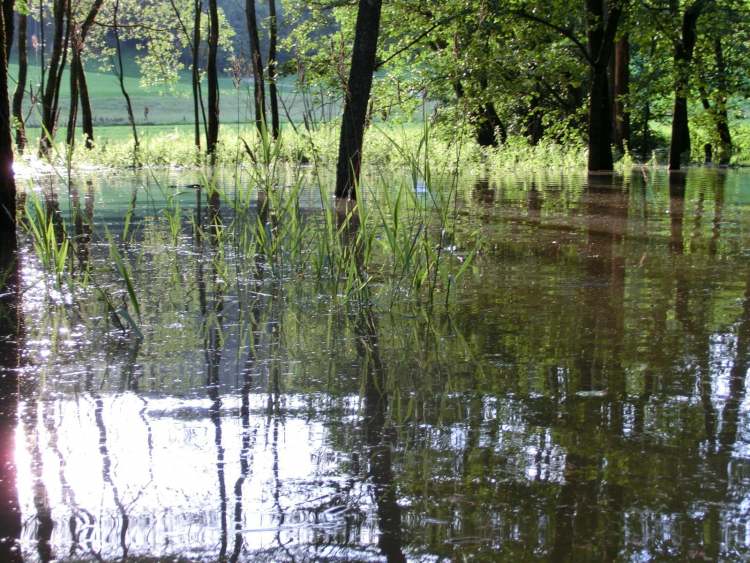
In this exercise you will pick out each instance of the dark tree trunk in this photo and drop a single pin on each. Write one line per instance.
(23, 66)
(273, 33)
(121, 80)
(70, 135)
(489, 129)
(599, 129)
(721, 114)
(212, 137)
(87, 119)
(7, 181)
(257, 63)
(8, 6)
(196, 71)
(679, 148)
(357, 98)
(620, 93)
(54, 74)
(601, 30)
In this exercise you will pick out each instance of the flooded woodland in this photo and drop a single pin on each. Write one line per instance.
(198, 383)
(395, 281)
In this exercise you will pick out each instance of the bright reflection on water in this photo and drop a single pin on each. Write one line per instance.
(582, 396)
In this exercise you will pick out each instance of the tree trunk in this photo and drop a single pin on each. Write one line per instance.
(357, 98)
(7, 181)
(8, 6)
(721, 114)
(679, 148)
(121, 80)
(489, 130)
(23, 66)
(600, 37)
(273, 33)
(87, 119)
(70, 135)
(196, 71)
(212, 137)
(620, 93)
(54, 74)
(599, 127)
(257, 63)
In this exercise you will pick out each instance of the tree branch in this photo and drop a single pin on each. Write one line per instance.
(564, 31)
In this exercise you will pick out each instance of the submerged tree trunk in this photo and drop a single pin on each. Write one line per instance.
(7, 181)
(273, 33)
(212, 136)
(601, 30)
(357, 97)
(621, 88)
(257, 63)
(18, 95)
(679, 148)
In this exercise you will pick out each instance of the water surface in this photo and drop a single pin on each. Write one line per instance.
(581, 397)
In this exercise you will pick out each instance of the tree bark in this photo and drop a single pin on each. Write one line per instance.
(273, 32)
(7, 181)
(121, 80)
(87, 118)
(620, 92)
(257, 64)
(196, 71)
(600, 37)
(18, 95)
(8, 6)
(357, 98)
(212, 137)
(679, 148)
(54, 74)
(70, 136)
(721, 116)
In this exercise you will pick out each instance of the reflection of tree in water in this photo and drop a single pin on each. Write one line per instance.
(379, 438)
(11, 335)
(107, 461)
(212, 314)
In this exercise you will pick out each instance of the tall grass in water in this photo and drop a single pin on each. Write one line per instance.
(281, 232)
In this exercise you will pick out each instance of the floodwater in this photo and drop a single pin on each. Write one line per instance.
(581, 396)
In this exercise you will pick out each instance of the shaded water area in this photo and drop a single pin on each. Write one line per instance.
(579, 394)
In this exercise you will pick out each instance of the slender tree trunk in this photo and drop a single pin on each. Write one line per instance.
(679, 148)
(213, 80)
(721, 113)
(121, 80)
(51, 88)
(620, 92)
(79, 75)
(357, 98)
(196, 71)
(23, 66)
(7, 181)
(273, 32)
(257, 63)
(600, 35)
(87, 118)
(70, 136)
